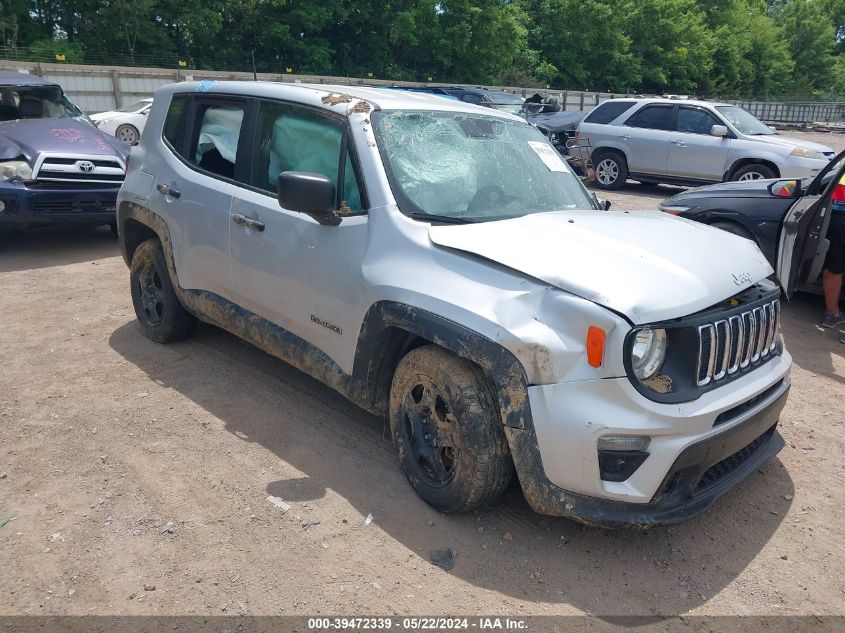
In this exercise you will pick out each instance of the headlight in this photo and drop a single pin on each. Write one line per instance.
(673, 209)
(648, 352)
(15, 169)
(804, 152)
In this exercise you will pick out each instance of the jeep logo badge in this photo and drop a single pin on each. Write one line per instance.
(85, 166)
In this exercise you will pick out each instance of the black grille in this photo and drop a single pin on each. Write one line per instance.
(724, 468)
(72, 206)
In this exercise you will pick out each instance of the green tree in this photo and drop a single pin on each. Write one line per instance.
(585, 43)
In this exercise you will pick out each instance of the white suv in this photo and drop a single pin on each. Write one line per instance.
(438, 263)
(690, 143)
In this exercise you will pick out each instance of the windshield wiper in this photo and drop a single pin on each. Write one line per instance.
(445, 219)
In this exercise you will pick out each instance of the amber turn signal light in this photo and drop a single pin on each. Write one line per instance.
(595, 345)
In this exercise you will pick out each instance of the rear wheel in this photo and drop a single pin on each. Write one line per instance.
(447, 430)
(161, 316)
(611, 170)
(754, 171)
(128, 134)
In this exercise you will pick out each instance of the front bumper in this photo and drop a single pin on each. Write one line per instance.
(25, 205)
(794, 167)
(698, 450)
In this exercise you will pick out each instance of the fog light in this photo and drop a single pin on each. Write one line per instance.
(621, 455)
(624, 442)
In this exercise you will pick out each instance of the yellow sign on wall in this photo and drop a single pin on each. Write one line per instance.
(183, 63)
(60, 57)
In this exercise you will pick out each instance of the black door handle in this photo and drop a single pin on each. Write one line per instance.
(169, 191)
(244, 221)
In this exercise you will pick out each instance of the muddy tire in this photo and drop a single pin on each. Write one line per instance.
(611, 170)
(162, 317)
(447, 431)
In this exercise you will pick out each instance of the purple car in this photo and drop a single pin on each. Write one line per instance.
(55, 166)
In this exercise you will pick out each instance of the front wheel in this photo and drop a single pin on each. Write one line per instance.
(611, 171)
(447, 430)
(754, 171)
(161, 316)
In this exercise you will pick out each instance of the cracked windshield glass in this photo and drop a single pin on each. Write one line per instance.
(458, 167)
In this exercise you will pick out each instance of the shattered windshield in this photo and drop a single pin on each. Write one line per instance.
(36, 102)
(473, 168)
(744, 121)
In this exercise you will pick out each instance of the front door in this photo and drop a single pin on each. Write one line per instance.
(645, 136)
(693, 152)
(803, 244)
(287, 268)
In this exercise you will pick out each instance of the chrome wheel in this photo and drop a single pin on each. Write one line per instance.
(607, 171)
(751, 175)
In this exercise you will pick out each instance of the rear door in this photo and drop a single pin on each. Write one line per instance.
(194, 188)
(803, 244)
(693, 152)
(646, 136)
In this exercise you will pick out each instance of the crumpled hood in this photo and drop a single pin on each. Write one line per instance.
(32, 136)
(646, 265)
(791, 143)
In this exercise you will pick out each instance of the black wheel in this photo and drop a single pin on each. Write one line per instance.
(754, 171)
(128, 134)
(162, 317)
(611, 170)
(447, 430)
(733, 227)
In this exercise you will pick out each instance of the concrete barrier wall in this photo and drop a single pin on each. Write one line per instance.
(99, 88)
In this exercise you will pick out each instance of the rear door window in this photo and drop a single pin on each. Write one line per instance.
(653, 117)
(608, 111)
(695, 121)
(216, 135)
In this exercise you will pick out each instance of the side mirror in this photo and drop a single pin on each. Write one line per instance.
(719, 130)
(308, 193)
(603, 205)
(786, 188)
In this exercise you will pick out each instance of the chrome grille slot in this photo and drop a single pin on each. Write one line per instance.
(723, 350)
(79, 168)
(727, 346)
(758, 334)
(737, 341)
(706, 354)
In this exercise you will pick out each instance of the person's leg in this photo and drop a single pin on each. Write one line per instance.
(832, 289)
(833, 269)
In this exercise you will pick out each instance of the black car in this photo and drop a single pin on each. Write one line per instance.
(782, 216)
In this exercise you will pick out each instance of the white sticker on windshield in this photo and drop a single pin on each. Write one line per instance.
(549, 156)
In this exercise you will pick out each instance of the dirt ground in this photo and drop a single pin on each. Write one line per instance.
(134, 480)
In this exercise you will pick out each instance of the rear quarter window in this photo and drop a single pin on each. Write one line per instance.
(174, 123)
(608, 111)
